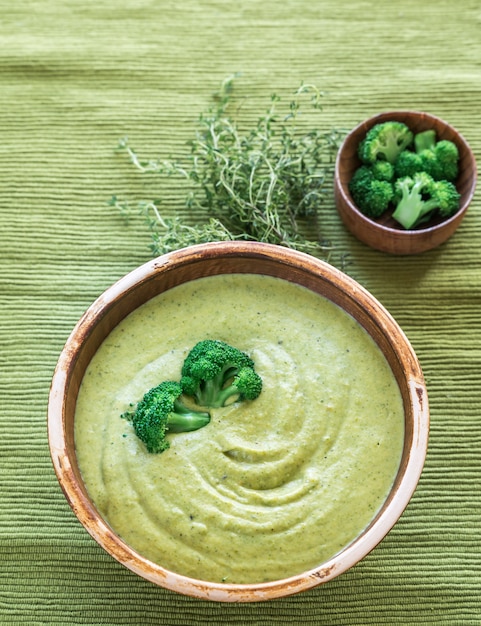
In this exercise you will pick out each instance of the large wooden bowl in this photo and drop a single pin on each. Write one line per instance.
(386, 234)
(178, 267)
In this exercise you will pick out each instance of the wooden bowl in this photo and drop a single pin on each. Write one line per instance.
(184, 265)
(386, 234)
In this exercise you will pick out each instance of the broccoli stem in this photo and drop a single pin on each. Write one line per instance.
(182, 419)
(412, 208)
(211, 389)
(224, 394)
(411, 214)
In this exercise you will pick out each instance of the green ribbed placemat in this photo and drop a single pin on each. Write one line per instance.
(74, 78)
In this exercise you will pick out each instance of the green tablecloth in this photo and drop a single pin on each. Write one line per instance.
(74, 78)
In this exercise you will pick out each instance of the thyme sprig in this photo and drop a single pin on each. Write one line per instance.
(265, 184)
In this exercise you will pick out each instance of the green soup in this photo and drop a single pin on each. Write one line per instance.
(270, 488)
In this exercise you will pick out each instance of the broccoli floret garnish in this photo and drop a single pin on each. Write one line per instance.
(162, 411)
(418, 197)
(371, 195)
(384, 142)
(214, 372)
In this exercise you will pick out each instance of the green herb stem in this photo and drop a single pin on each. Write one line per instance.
(258, 185)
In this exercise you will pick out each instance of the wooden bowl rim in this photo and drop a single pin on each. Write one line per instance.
(63, 455)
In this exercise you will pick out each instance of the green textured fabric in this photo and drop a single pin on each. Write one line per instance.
(74, 78)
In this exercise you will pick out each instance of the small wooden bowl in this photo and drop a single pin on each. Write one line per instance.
(386, 234)
(176, 268)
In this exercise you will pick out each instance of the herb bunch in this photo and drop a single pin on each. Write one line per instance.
(263, 185)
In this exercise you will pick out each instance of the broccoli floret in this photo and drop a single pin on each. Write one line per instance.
(214, 372)
(424, 140)
(440, 159)
(383, 170)
(162, 411)
(418, 197)
(407, 164)
(371, 195)
(384, 142)
(445, 165)
(448, 198)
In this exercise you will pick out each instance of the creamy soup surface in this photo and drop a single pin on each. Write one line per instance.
(270, 488)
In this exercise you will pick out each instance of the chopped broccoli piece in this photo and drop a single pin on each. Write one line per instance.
(448, 198)
(440, 159)
(418, 197)
(214, 372)
(371, 195)
(407, 164)
(424, 140)
(446, 163)
(384, 142)
(383, 170)
(162, 411)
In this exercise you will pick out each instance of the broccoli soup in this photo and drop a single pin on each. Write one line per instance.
(270, 487)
